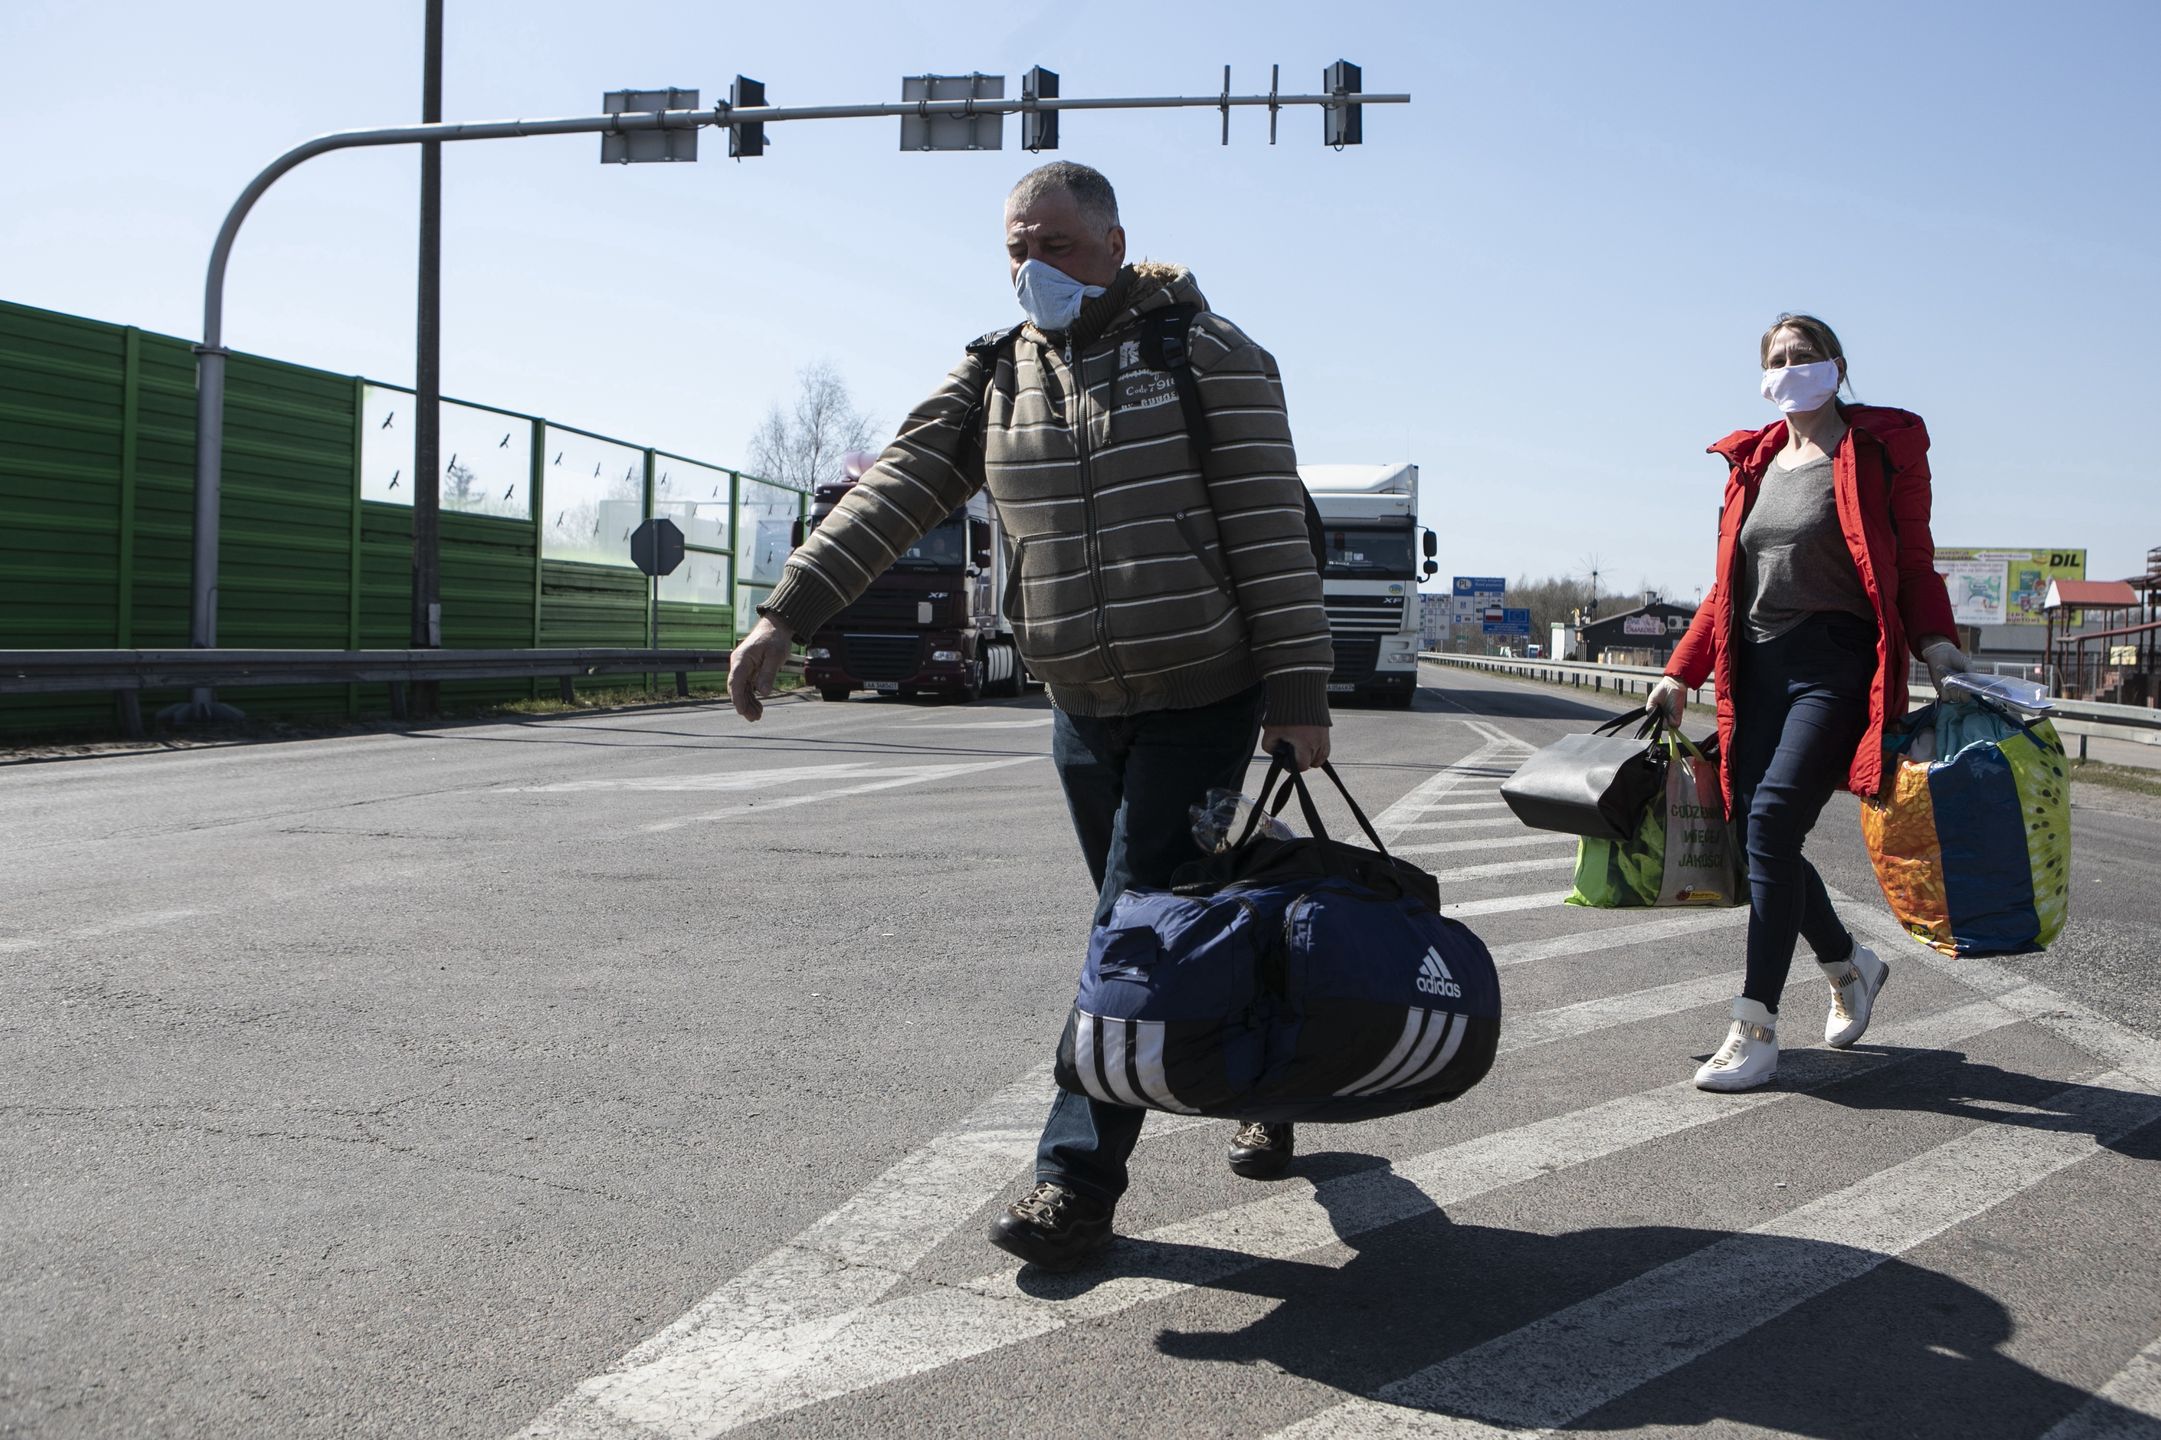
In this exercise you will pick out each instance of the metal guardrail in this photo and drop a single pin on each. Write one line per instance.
(127, 673)
(2083, 719)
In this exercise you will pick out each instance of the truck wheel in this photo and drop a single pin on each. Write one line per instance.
(971, 690)
(1004, 670)
(1404, 699)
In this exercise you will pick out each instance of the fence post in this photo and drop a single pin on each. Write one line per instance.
(736, 627)
(538, 496)
(131, 380)
(652, 582)
(355, 538)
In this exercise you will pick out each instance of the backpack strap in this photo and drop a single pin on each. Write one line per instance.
(986, 348)
(1165, 346)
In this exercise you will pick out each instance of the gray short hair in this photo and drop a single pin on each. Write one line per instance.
(1088, 188)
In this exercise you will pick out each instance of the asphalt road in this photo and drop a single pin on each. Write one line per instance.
(653, 1074)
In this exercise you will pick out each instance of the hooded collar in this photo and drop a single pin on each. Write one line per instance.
(1901, 433)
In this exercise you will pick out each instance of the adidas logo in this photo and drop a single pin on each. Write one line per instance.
(1434, 979)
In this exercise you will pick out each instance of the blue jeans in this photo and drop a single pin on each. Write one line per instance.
(1129, 780)
(1800, 711)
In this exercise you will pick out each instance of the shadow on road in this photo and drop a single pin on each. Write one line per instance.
(1899, 1350)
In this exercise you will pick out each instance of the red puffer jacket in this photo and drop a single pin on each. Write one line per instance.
(1881, 484)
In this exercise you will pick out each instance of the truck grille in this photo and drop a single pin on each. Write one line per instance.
(882, 657)
(1364, 614)
(1355, 658)
(882, 608)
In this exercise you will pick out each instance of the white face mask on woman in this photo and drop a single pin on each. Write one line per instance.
(1051, 297)
(1801, 387)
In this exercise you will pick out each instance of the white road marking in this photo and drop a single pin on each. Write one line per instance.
(1504, 867)
(1436, 809)
(890, 778)
(1429, 792)
(1567, 1364)
(929, 1329)
(118, 925)
(1472, 822)
(713, 782)
(1504, 904)
(2134, 1390)
(1487, 842)
(1500, 739)
(1686, 922)
(1033, 724)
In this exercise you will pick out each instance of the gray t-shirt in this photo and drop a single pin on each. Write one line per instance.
(1794, 559)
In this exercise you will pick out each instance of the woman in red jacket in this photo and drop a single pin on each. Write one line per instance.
(1826, 581)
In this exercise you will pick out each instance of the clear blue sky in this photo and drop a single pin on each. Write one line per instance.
(1543, 280)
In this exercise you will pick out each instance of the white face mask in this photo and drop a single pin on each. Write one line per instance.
(1051, 297)
(1801, 387)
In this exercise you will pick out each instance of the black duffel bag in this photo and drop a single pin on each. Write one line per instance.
(1596, 784)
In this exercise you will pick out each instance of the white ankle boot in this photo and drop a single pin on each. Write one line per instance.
(1750, 1055)
(1854, 983)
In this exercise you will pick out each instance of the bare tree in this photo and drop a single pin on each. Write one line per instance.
(803, 448)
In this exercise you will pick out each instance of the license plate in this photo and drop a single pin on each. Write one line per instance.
(886, 687)
(1341, 689)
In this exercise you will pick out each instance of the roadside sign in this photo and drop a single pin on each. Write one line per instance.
(1480, 585)
(1499, 621)
(656, 547)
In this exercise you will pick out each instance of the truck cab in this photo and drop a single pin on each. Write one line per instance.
(932, 624)
(1376, 554)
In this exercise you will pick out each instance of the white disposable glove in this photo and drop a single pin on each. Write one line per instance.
(1943, 659)
(1668, 697)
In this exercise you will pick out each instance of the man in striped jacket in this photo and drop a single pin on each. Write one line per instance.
(1164, 590)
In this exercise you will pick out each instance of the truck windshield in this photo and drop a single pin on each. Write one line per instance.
(1369, 550)
(942, 549)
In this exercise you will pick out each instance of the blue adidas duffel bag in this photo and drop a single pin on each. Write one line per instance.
(1300, 979)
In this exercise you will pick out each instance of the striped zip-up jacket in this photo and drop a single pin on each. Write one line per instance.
(1142, 575)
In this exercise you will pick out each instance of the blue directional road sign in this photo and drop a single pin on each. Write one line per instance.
(1480, 585)
(1501, 621)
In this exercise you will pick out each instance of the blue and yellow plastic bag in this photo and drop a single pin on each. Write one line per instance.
(1972, 840)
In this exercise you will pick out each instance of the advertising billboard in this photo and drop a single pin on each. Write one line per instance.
(2004, 585)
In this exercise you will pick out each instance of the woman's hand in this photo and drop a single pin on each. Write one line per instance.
(1669, 697)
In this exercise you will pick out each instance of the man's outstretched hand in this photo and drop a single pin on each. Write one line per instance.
(754, 666)
(1310, 742)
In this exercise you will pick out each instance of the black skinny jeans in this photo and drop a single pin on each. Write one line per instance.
(1800, 710)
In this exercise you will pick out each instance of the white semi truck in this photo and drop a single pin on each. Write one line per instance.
(1376, 557)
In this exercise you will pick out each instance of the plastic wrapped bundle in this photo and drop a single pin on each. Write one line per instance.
(1972, 844)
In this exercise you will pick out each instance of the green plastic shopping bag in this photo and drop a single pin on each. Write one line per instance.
(1683, 851)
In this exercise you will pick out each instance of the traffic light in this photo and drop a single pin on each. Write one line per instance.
(747, 138)
(1039, 128)
(1342, 124)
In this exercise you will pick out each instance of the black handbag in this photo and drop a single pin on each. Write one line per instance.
(1596, 785)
